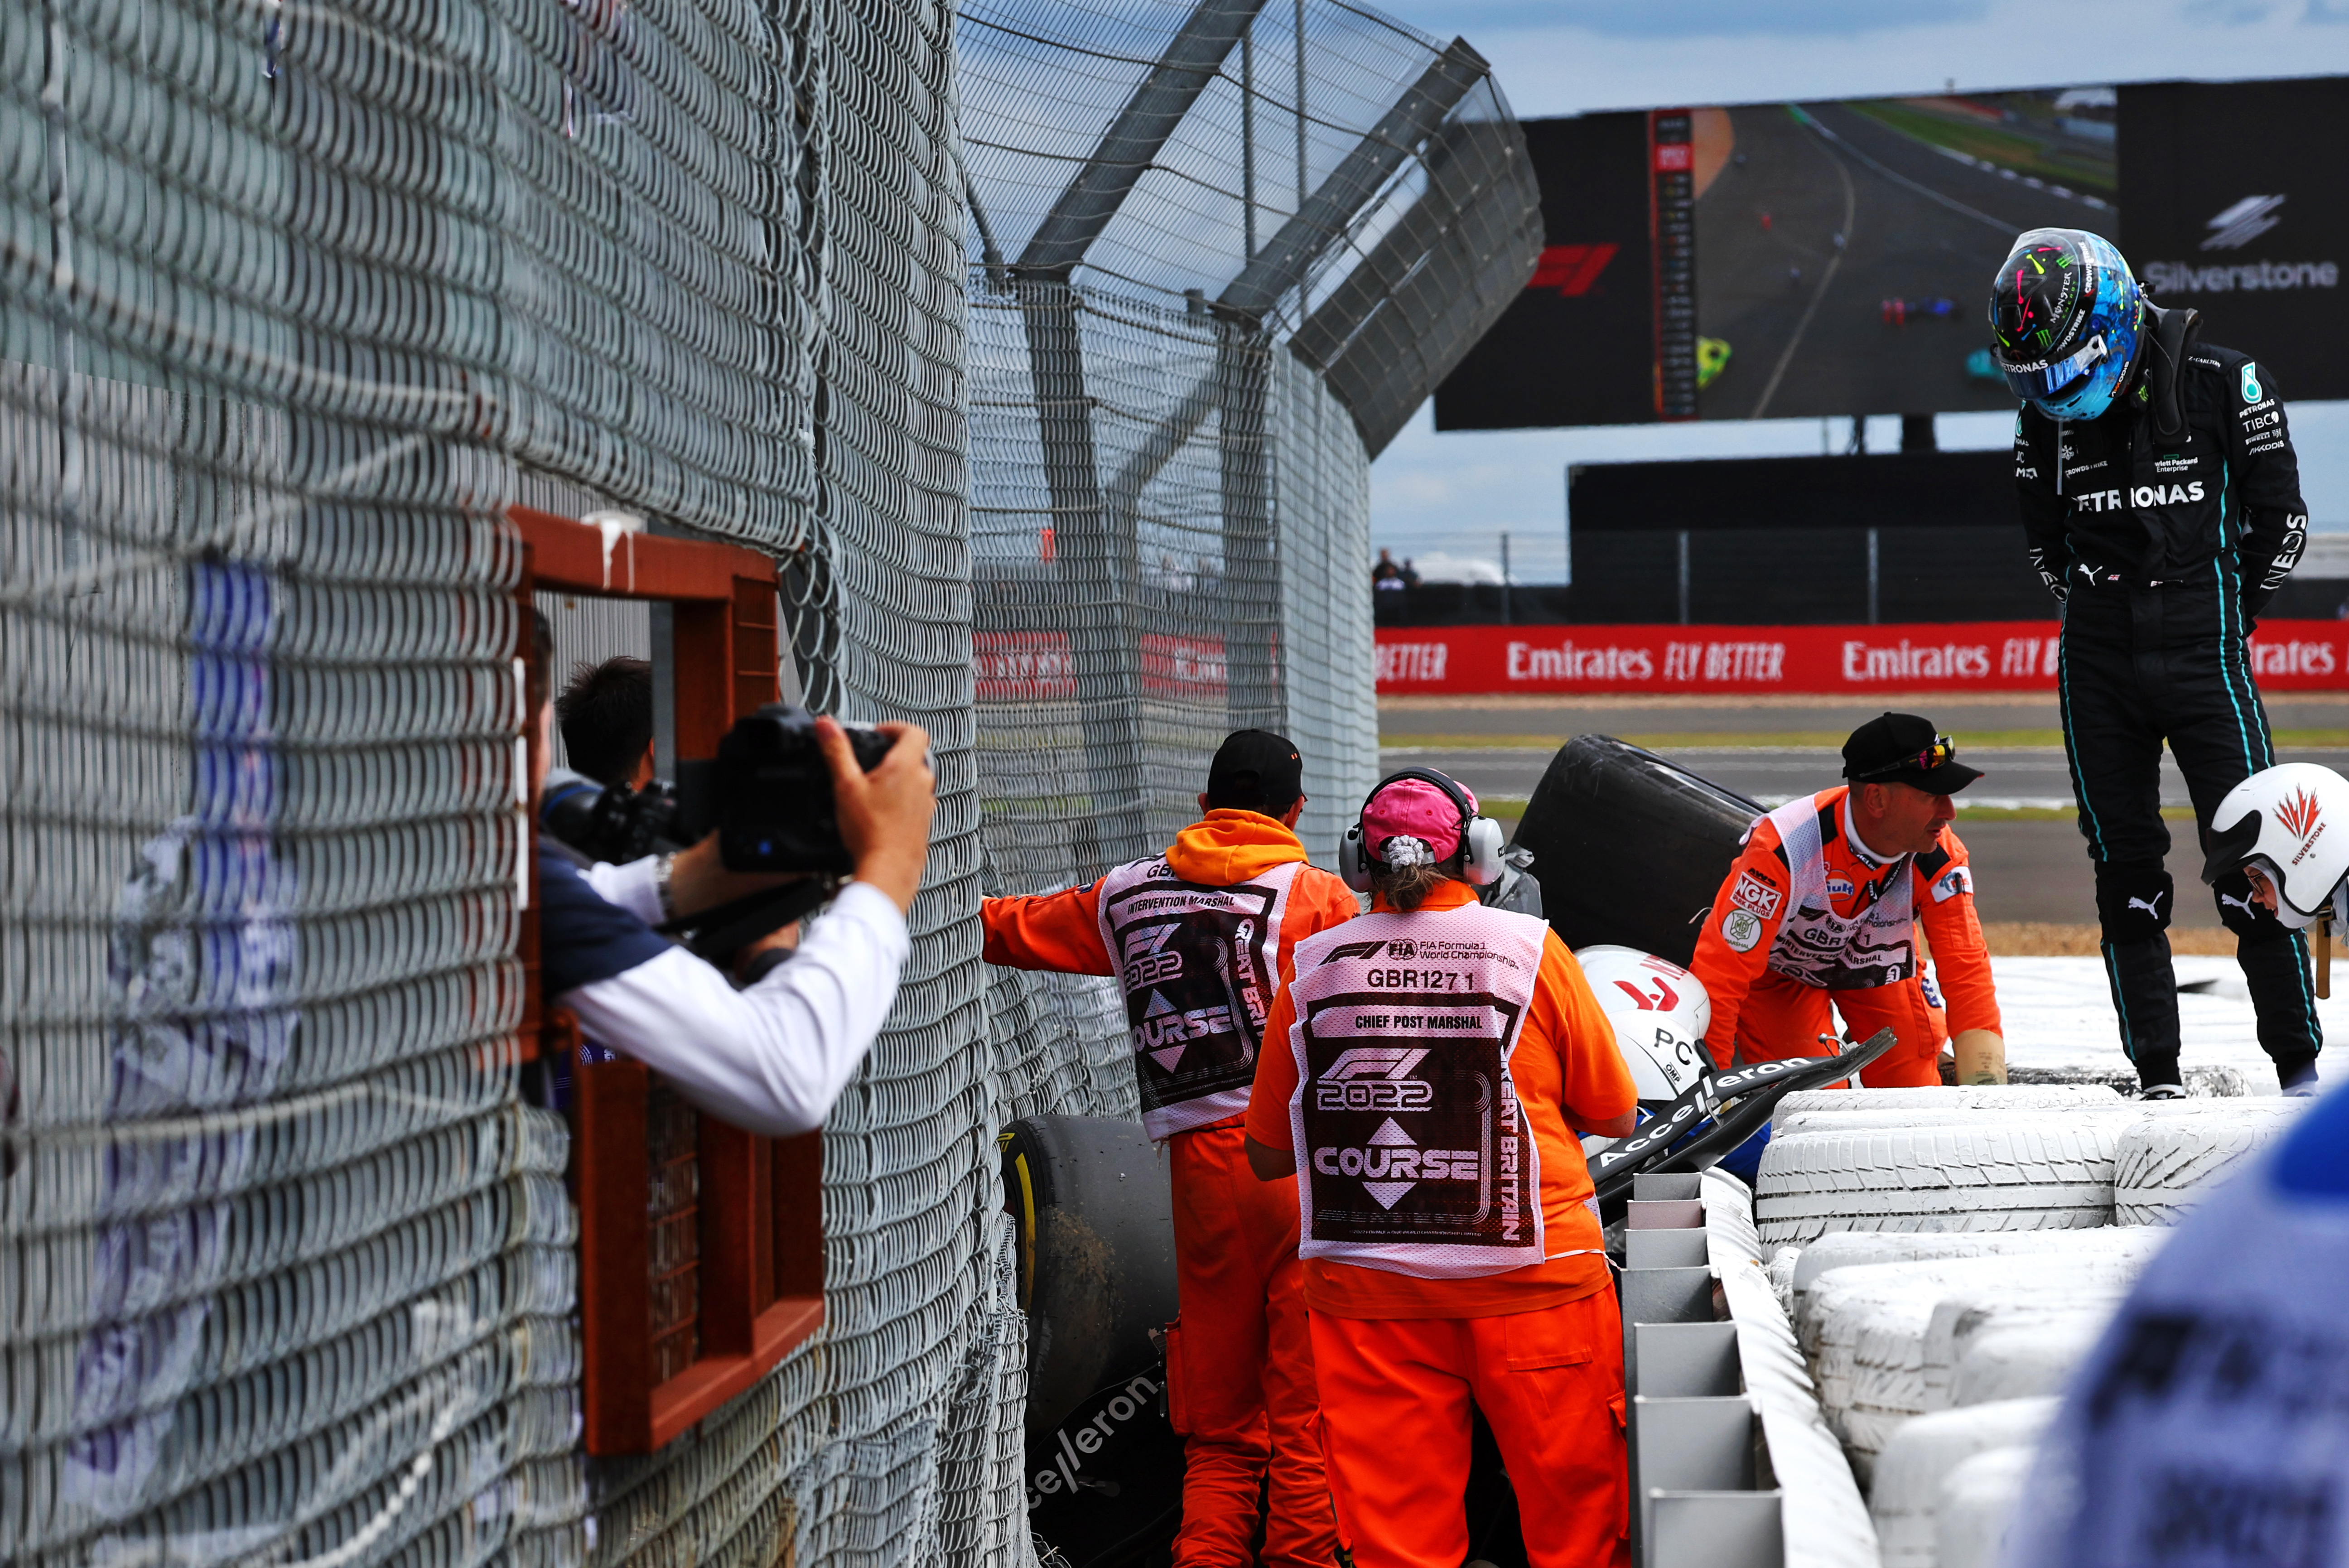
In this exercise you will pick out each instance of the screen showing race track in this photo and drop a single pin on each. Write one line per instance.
(1799, 260)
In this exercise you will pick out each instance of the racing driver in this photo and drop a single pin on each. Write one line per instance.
(2161, 505)
(1822, 907)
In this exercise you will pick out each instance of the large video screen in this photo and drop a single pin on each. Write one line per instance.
(1798, 260)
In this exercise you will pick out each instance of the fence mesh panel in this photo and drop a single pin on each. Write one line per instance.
(292, 303)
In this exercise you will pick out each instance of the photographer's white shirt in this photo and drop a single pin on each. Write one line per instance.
(769, 1059)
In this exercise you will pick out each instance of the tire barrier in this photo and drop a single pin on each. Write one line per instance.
(1920, 1458)
(1976, 1098)
(2003, 1175)
(2164, 1164)
(1879, 1336)
(1853, 1249)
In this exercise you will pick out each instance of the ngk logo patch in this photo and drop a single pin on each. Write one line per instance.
(1373, 1078)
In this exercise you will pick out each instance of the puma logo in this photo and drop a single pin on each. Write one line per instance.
(2242, 904)
(2148, 908)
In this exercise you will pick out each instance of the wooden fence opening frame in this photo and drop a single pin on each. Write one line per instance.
(760, 1210)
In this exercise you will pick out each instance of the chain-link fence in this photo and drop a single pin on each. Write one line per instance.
(1220, 253)
(293, 302)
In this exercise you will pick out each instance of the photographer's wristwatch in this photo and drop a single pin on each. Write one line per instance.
(663, 870)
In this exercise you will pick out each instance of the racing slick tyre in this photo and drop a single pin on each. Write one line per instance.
(1096, 1254)
(2163, 1164)
(2002, 1176)
(1607, 817)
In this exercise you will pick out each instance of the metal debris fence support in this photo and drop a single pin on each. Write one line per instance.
(294, 301)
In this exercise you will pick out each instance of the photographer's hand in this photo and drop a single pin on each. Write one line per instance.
(884, 816)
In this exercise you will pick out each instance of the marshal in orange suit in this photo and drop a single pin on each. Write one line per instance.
(1197, 938)
(1424, 1075)
(1822, 909)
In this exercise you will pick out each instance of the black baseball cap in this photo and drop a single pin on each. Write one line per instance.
(1255, 770)
(1902, 748)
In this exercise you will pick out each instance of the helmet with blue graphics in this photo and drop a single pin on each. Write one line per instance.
(2066, 322)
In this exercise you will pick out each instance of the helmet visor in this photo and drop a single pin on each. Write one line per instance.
(2045, 381)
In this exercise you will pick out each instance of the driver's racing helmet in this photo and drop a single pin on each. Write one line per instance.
(1660, 1014)
(2066, 320)
(2291, 822)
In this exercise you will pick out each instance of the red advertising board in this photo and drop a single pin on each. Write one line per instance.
(1040, 667)
(1632, 661)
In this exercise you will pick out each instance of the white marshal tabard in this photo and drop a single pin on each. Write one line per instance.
(1196, 963)
(1875, 945)
(1413, 1155)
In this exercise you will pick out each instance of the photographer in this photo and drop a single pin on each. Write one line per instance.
(769, 1059)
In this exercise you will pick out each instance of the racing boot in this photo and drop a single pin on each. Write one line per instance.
(2145, 995)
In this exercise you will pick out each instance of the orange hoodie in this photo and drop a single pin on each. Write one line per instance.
(1061, 931)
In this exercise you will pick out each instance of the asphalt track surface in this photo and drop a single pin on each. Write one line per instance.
(1802, 317)
(2026, 870)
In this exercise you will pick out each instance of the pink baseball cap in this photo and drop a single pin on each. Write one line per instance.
(1415, 809)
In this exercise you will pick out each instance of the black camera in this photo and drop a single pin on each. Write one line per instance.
(768, 793)
(611, 822)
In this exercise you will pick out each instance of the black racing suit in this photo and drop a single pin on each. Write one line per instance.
(2164, 526)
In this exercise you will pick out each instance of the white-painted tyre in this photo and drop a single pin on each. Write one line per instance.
(2001, 1176)
(1851, 1249)
(1924, 1455)
(1977, 1505)
(1971, 1097)
(2163, 1165)
(2022, 1360)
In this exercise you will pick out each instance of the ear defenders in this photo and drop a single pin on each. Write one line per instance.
(1480, 837)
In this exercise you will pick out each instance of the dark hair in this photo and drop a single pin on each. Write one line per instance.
(1406, 887)
(606, 714)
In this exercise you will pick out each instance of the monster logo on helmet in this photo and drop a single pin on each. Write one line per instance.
(2066, 320)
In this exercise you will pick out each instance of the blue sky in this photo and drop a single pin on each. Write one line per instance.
(1455, 493)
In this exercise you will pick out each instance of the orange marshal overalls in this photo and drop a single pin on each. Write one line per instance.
(1539, 1347)
(1240, 1359)
(1749, 956)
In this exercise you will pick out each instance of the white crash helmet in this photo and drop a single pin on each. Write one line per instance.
(2291, 822)
(1661, 1012)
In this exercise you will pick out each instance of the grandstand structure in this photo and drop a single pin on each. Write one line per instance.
(1043, 345)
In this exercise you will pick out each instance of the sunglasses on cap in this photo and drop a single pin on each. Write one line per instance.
(1942, 750)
